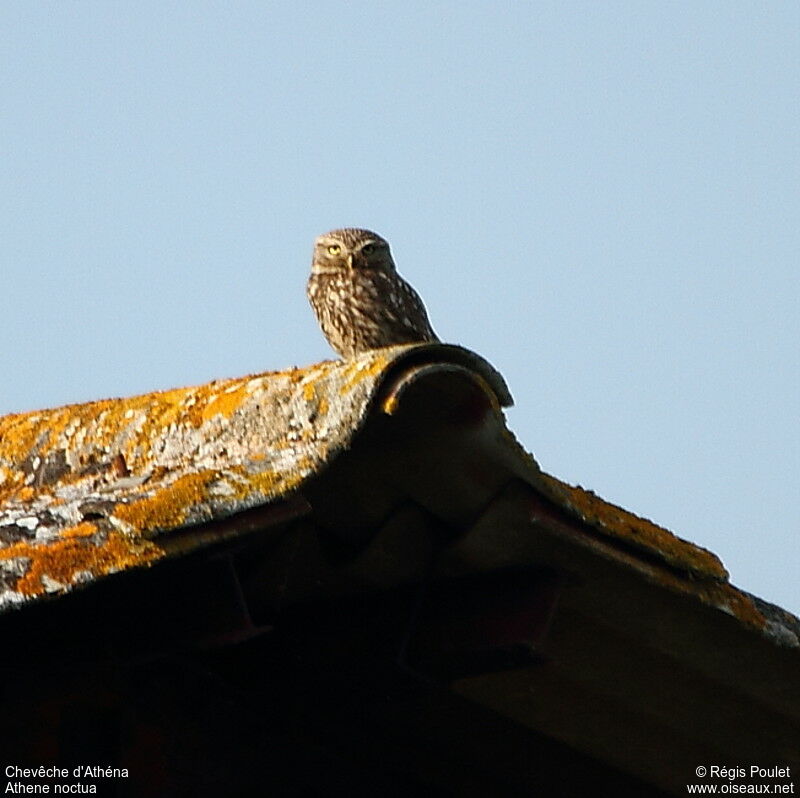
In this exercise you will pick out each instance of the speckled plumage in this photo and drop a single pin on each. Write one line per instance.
(360, 300)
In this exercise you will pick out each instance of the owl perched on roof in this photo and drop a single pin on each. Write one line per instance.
(360, 300)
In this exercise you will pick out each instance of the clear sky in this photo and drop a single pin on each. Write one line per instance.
(603, 199)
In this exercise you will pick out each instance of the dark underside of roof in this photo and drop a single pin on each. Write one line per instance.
(423, 613)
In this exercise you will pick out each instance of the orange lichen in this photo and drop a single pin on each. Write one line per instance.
(269, 482)
(731, 600)
(169, 506)
(357, 371)
(295, 375)
(225, 403)
(628, 527)
(82, 530)
(12, 488)
(390, 405)
(61, 560)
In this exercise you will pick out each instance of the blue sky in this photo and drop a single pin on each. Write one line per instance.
(601, 198)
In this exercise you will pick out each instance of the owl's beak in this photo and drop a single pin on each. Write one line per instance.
(350, 261)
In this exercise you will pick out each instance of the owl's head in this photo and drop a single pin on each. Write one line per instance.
(351, 248)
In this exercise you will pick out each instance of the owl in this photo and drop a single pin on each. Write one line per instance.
(360, 300)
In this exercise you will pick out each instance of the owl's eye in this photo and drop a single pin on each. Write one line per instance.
(334, 249)
(368, 249)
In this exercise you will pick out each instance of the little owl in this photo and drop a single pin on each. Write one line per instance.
(360, 300)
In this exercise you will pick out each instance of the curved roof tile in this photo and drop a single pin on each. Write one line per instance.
(90, 489)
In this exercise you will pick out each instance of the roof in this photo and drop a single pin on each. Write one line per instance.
(91, 489)
(377, 511)
(87, 490)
